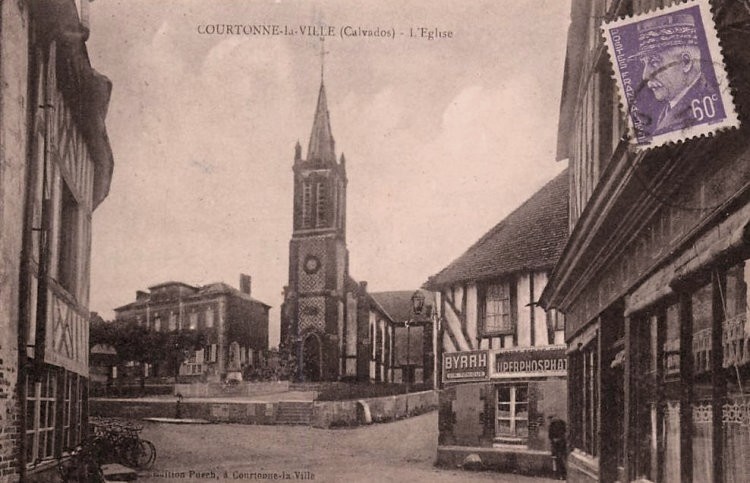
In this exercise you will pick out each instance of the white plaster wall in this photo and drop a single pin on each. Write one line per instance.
(458, 294)
(524, 313)
(454, 325)
(351, 326)
(540, 316)
(448, 344)
(472, 313)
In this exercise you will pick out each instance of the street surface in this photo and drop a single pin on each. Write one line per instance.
(393, 452)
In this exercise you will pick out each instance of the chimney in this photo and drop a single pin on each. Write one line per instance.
(246, 283)
(141, 295)
(363, 287)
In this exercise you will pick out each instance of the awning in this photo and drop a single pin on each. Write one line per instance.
(719, 241)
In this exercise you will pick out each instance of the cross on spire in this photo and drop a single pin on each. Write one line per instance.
(323, 53)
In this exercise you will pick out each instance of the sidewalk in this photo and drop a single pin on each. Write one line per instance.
(261, 398)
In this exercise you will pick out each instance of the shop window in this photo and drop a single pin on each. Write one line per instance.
(719, 439)
(497, 309)
(702, 405)
(41, 409)
(584, 378)
(68, 241)
(735, 419)
(512, 413)
(72, 410)
(645, 403)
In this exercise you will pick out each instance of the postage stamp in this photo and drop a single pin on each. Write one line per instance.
(670, 74)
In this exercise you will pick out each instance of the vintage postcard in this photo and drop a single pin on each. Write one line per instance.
(372, 241)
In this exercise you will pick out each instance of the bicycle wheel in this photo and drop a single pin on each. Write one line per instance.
(145, 454)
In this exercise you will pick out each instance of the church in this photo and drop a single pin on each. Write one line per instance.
(331, 327)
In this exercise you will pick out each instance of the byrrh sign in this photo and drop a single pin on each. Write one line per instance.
(465, 366)
(529, 362)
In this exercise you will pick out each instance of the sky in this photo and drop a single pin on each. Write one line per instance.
(443, 137)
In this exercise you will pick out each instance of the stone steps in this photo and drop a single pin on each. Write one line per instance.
(294, 412)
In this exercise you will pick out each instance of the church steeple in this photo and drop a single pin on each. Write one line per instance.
(321, 147)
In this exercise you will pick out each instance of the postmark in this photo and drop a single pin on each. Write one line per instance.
(670, 74)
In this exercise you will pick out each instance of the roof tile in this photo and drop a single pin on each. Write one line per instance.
(530, 238)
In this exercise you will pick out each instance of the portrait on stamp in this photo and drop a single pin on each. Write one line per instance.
(669, 68)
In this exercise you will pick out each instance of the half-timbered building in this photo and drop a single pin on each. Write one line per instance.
(654, 278)
(500, 359)
(55, 169)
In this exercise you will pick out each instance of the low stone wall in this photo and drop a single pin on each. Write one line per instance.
(327, 414)
(235, 412)
(217, 389)
(507, 460)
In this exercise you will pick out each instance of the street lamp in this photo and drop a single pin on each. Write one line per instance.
(417, 305)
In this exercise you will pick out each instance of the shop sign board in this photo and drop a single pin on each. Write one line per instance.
(528, 362)
(465, 366)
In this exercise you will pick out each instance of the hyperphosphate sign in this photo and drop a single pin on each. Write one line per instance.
(465, 366)
(529, 362)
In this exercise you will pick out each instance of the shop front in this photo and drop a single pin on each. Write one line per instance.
(500, 402)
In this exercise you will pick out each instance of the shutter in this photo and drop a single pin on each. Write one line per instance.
(489, 411)
(535, 419)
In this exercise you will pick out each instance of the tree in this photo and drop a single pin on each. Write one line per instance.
(100, 331)
(178, 345)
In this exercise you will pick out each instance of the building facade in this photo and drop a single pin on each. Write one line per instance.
(234, 323)
(55, 169)
(501, 359)
(653, 280)
(400, 340)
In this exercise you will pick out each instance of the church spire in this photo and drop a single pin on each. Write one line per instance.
(321, 145)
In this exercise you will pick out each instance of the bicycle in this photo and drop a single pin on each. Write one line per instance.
(120, 442)
(81, 466)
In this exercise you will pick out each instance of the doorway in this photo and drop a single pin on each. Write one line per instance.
(311, 359)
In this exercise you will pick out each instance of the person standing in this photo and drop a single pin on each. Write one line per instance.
(558, 444)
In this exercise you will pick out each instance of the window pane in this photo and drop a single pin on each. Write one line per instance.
(497, 308)
(30, 447)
